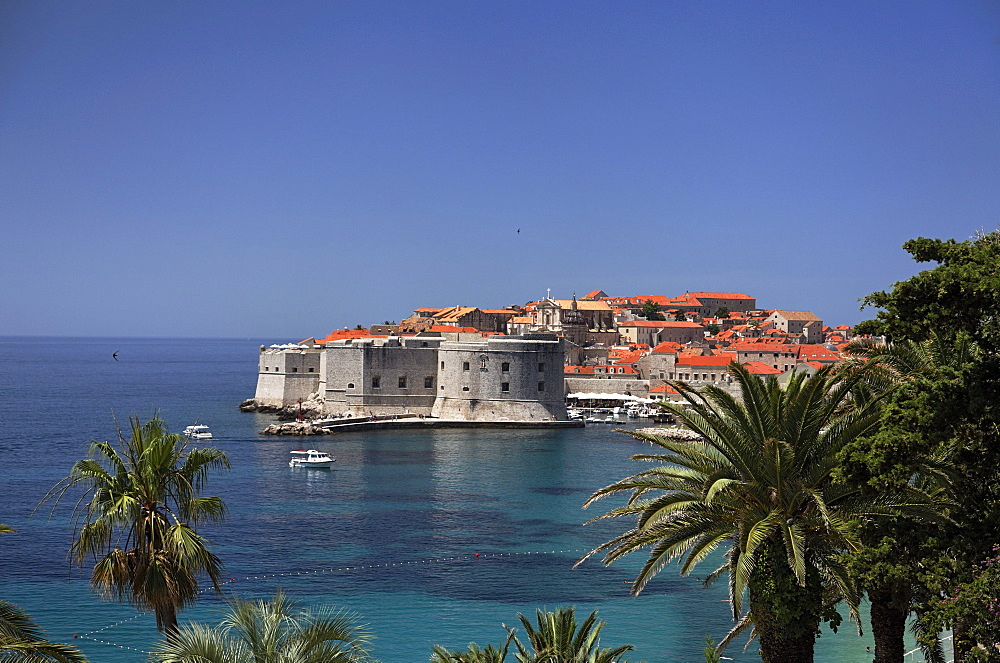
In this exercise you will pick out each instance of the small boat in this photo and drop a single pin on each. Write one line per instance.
(197, 433)
(311, 458)
(612, 419)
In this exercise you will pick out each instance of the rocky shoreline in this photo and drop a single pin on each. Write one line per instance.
(672, 432)
(308, 409)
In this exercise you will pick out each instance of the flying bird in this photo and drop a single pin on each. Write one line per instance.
(115, 356)
(518, 231)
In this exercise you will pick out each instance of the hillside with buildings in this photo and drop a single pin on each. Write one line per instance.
(522, 363)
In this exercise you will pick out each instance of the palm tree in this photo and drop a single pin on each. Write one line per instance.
(473, 655)
(21, 639)
(138, 518)
(557, 639)
(760, 485)
(274, 631)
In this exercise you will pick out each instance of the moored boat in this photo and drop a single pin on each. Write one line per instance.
(311, 458)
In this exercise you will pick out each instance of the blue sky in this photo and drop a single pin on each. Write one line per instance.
(285, 169)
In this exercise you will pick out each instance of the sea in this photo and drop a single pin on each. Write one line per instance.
(429, 538)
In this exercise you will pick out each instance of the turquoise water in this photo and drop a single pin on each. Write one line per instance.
(392, 532)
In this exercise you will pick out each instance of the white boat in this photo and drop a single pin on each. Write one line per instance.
(612, 419)
(197, 433)
(311, 458)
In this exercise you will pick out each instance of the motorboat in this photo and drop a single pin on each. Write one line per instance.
(197, 433)
(311, 458)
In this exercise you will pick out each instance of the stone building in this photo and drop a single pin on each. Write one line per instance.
(805, 323)
(466, 376)
(653, 332)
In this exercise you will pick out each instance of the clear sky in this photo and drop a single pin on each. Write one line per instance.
(282, 169)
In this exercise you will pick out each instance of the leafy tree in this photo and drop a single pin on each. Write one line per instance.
(714, 329)
(274, 631)
(722, 312)
(680, 316)
(555, 638)
(359, 327)
(473, 655)
(651, 310)
(138, 518)
(21, 639)
(760, 485)
(950, 412)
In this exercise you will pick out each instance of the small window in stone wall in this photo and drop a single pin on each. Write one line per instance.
(505, 367)
(402, 382)
(463, 388)
(311, 369)
(465, 365)
(294, 369)
(428, 382)
(442, 364)
(350, 385)
(541, 368)
(541, 386)
(266, 368)
(504, 386)
(376, 383)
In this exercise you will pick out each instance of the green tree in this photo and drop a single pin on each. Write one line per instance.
(722, 312)
(680, 316)
(651, 310)
(554, 638)
(138, 518)
(714, 329)
(21, 639)
(274, 631)
(760, 485)
(473, 654)
(951, 412)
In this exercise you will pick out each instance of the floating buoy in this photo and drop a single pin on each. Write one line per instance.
(75, 635)
(477, 554)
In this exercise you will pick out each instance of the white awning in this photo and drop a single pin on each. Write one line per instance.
(609, 397)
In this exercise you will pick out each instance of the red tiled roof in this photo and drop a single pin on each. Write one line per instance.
(757, 368)
(663, 389)
(658, 323)
(667, 346)
(719, 295)
(693, 360)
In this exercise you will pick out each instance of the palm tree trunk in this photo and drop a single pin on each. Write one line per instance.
(166, 620)
(786, 615)
(890, 606)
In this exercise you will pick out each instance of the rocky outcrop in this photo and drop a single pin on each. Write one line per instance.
(672, 432)
(294, 428)
(309, 409)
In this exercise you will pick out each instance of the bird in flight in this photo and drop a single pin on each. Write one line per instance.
(115, 356)
(518, 231)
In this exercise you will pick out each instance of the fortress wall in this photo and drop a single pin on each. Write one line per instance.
(607, 384)
(382, 376)
(286, 375)
(501, 379)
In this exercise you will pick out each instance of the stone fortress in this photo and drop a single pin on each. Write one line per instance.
(460, 376)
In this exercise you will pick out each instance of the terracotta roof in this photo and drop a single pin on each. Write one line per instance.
(454, 312)
(796, 315)
(583, 305)
(667, 346)
(757, 368)
(451, 329)
(692, 360)
(663, 389)
(659, 323)
(719, 295)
